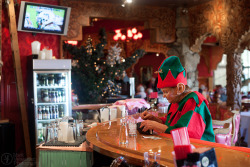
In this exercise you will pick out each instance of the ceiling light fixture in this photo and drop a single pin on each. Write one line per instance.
(127, 34)
(125, 2)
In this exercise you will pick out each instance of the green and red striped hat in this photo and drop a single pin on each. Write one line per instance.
(171, 72)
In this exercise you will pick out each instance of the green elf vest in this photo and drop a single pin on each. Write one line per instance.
(191, 112)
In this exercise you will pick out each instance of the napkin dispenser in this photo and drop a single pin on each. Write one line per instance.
(107, 114)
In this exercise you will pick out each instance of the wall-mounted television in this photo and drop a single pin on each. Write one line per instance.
(43, 18)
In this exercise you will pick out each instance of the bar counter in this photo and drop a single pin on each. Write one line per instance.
(104, 139)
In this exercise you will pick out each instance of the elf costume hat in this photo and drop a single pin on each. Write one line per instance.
(171, 72)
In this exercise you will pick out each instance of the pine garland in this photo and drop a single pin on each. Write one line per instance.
(91, 72)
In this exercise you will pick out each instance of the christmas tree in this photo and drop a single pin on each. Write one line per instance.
(93, 72)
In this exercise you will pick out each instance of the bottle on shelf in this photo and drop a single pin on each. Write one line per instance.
(39, 112)
(56, 112)
(58, 79)
(53, 97)
(38, 80)
(51, 112)
(63, 80)
(42, 80)
(42, 94)
(51, 80)
(46, 81)
(61, 111)
(59, 99)
(63, 95)
(56, 96)
(49, 92)
(44, 112)
(48, 112)
(45, 95)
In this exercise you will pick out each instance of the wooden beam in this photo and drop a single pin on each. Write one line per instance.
(18, 74)
(1, 63)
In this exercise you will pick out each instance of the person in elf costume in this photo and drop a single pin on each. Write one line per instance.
(187, 108)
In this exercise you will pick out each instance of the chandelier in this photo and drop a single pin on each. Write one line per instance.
(129, 34)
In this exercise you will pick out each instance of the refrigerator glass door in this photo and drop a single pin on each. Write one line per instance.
(52, 99)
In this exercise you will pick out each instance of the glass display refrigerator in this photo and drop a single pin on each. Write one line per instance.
(52, 93)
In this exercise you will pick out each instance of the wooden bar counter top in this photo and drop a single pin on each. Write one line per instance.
(105, 139)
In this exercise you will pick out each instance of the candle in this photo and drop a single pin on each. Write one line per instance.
(132, 86)
(41, 55)
(35, 47)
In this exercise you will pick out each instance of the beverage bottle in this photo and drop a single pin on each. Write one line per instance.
(59, 77)
(42, 94)
(38, 80)
(53, 97)
(56, 96)
(56, 79)
(59, 98)
(57, 113)
(42, 81)
(51, 113)
(48, 112)
(44, 112)
(45, 97)
(63, 80)
(46, 81)
(49, 93)
(63, 95)
(61, 111)
(120, 161)
(40, 114)
(51, 80)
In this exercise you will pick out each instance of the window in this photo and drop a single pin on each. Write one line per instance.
(245, 59)
(220, 74)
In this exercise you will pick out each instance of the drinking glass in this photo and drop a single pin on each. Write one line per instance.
(71, 135)
(123, 135)
(79, 128)
(49, 134)
(132, 143)
(146, 159)
(55, 128)
(151, 158)
(132, 126)
(44, 133)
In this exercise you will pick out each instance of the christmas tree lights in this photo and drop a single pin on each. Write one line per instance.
(93, 72)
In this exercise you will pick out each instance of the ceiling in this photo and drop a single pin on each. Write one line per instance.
(163, 3)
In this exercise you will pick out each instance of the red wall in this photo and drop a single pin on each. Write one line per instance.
(213, 55)
(203, 69)
(150, 59)
(9, 108)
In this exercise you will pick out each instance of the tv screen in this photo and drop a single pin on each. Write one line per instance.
(43, 18)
